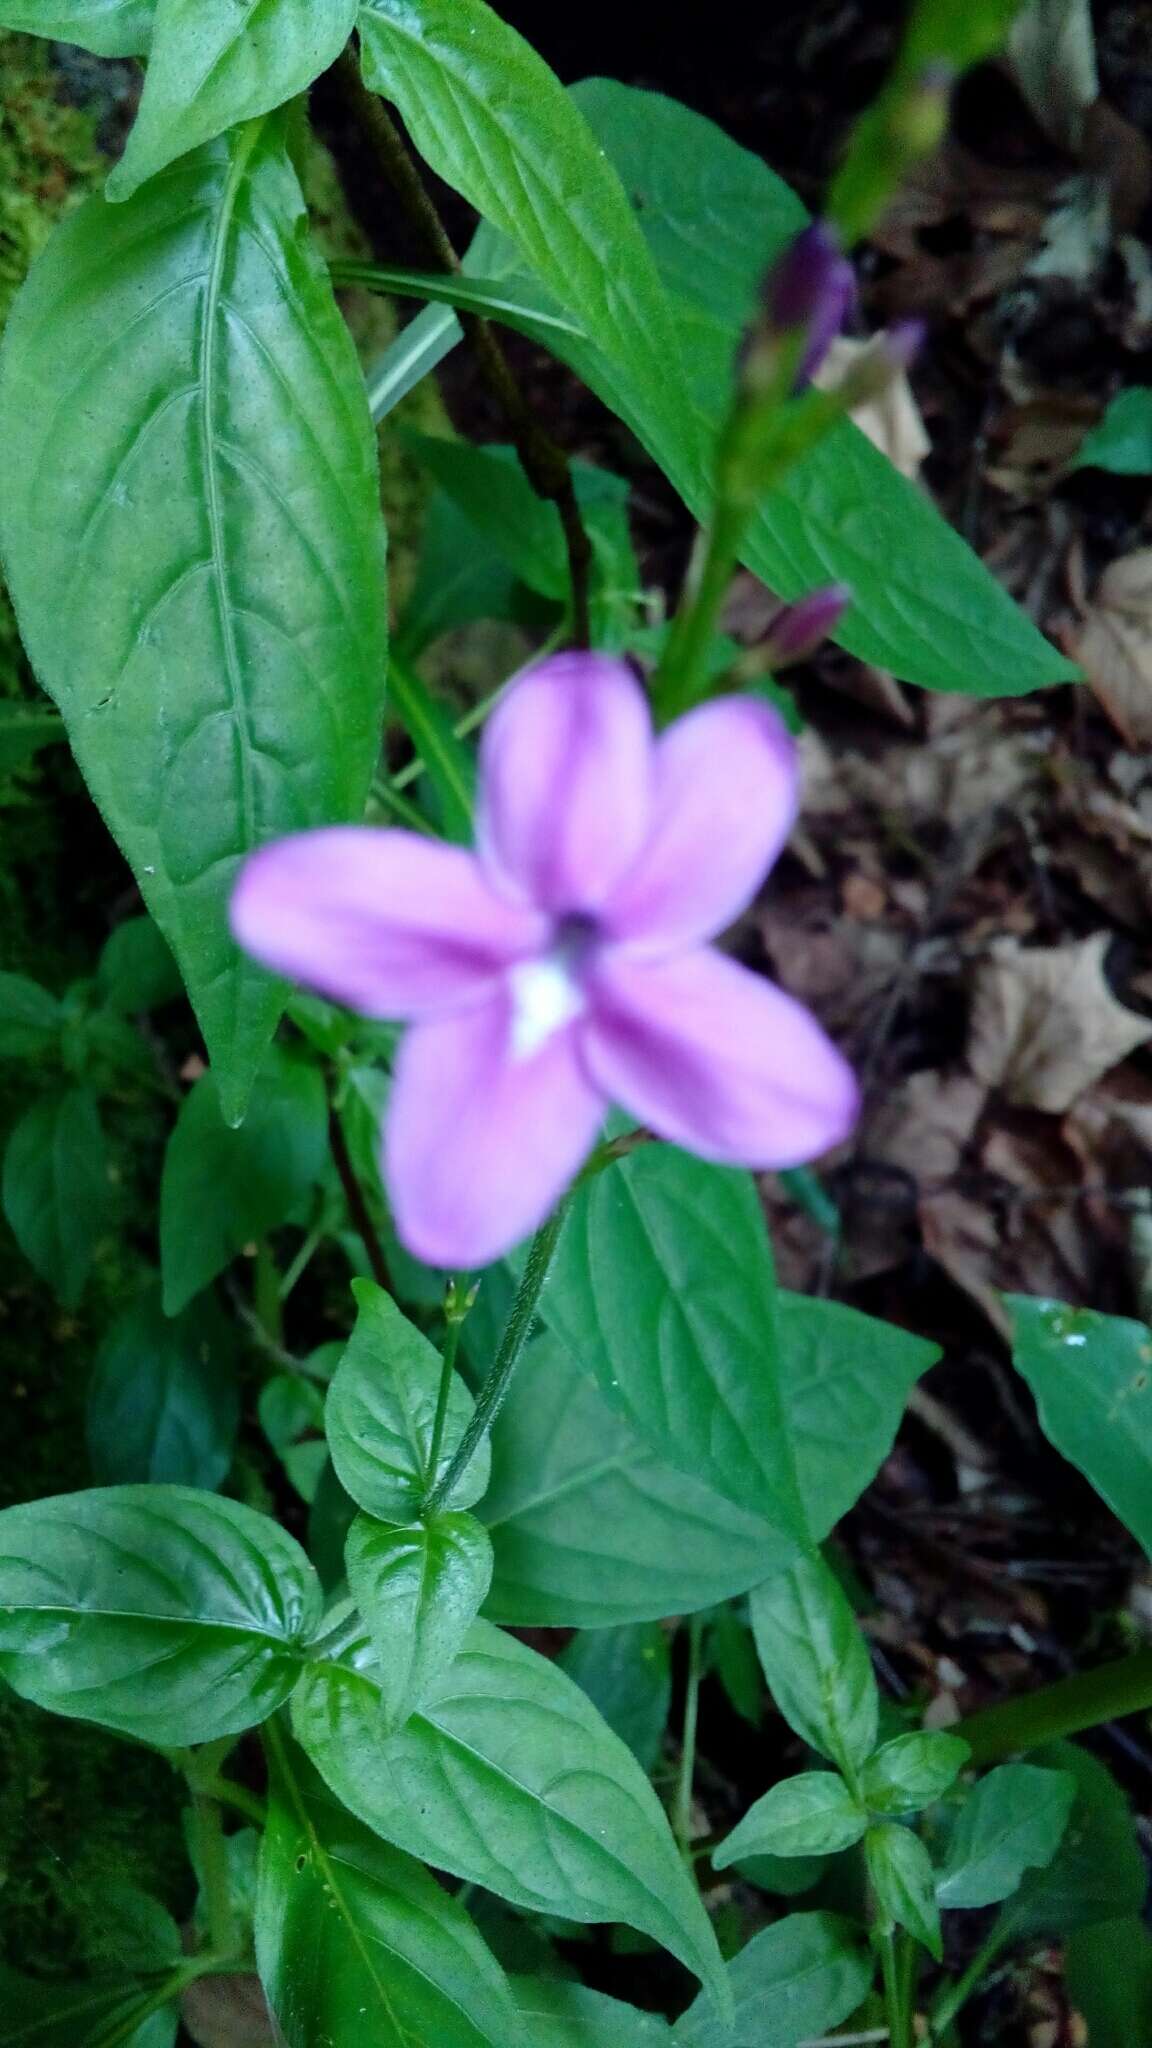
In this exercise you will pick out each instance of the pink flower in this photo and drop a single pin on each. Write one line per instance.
(561, 966)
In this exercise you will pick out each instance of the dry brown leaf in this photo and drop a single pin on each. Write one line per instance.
(1114, 646)
(892, 421)
(1045, 1024)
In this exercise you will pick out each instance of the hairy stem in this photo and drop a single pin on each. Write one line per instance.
(544, 464)
(354, 1195)
(447, 1372)
(517, 1331)
(1066, 1708)
(685, 1778)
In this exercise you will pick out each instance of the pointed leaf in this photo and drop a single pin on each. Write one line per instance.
(419, 1591)
(56, 1189)
(627, 1675)
(563, 2015)
(1092, 1378)
(381, 1410)
(166, 1614)
(224, 1188)
(163, 1403)
(901, 1875)
(816, 1663)
(1013, 1821)
(792, 1982)
(1098, 1872)
(109, 28)
(357, 1942)
(813, 1814)
(213, 64)
(191, 530)
(912, 1771)
(30, 1018)
(512, 1781)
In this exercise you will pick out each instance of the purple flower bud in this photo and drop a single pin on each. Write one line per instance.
(811, 289)
(799, 629)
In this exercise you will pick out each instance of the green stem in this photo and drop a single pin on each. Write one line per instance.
(447, 1374)
(680, 681)
(213, 1853)
(238, 1797)
(354, 1195)
(387, 794)
(1066, 1708)
(899, 2017)
(266, 1293)
(685, 1778)
(953, 1996)
(517, 1331)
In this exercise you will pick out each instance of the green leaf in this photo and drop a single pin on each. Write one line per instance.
(190, 525)
(459, 580)
(1092, 1378)
(912, 1771)
(450, 767)
(563, 2015)
(1122, 440)
(165, 1614)
(846, 1382)
(663, 1285)
(137, 971)
(512, 1781)
(23, 732)
(98, 2014)
(589, 1526)
(794, 1981)
(419, 1590)
(163, 1403)
(901, 1875)
(381, 1410)
(225, 1188)
(1013, 1821)
(731, 1653)
(816, 1662)
(1097, 1872)
(110, 28)
(213, 65)
(492, 120)
(356, 1942)
(813, 1814)
(1108, 1971)
(30, 1018)
(291, 1412)
(125, 1929)
(626, 1673)
(57, 1192)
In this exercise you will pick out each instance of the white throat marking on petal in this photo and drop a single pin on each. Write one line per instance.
(546, 995)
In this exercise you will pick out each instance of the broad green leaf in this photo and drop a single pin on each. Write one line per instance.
(731, 1653)
(901, 1875)
(448, 763)
(291, 1412)
(381, 1410)
(213, 65)
(512, 1781)
(1122, 440)
(224, 1188)
(793, 1982)
(137, 971)
(30, 1018)
(562, 2015)
(663, 1286)
(1097, 1873)
(1108, 1972)
(56, 1189)
(190, 527)
(1092, 1378)
(165, 1614)
(785, 1876)
(356, 1942)
(589, 1526)
(491, 118)
(912, 1771)
(23, 732)
(98, 2014)
(110, 28)
(816, 1662)
(1013, 1821)
(163, 1402)
(124, 1928)
(459, 579)
(626, 1673)
(846, 1382)
(419, 1591)
(813, 1814)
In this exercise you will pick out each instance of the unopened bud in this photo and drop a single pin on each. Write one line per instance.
(808, 292)
(798, 630)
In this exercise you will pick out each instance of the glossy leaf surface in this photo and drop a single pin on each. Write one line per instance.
(109, 28)
(1092, 1378)
(419, 1590)
(816, 1662)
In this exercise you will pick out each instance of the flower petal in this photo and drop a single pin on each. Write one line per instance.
(725, 797)
(387, 922)
(716, 1059)
(480, 1145)
(565, 784)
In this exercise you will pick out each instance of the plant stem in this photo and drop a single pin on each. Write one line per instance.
(517, 1331)
(266, 1298)
(685, 1778)
(953, 1996)
(239, 1799)
(1066, 1708)
(214, 1872)
(544, 464)
(358, 1208)
(899, 2018)
(447, 1373)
